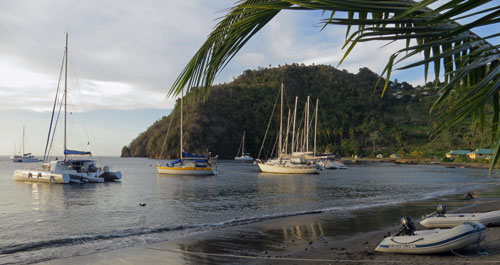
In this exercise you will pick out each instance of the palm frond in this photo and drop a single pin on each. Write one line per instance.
(468, 62)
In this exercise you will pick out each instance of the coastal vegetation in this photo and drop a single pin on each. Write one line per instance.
(353, 119)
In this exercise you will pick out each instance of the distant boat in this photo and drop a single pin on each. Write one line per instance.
(285, 164)
(328, 163)
(67, 170)
(188, 163)
(24, 157)
(245, 157)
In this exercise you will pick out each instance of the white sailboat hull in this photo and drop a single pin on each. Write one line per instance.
(246, 159)
(283, 169)
(435, 241)
(451, 220)
(196, 171)
(41, 176)
(18, 159)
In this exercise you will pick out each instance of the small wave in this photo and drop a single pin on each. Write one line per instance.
(76, 240)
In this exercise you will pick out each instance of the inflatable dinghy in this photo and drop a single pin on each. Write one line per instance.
(432, 241)
(440, 219)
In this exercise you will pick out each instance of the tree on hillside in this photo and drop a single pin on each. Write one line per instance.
(471, 65)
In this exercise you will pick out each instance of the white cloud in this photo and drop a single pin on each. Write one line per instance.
(133, 47)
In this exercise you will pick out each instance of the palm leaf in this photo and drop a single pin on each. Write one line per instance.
(468, 61)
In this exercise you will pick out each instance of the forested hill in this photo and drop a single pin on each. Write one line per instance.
(353, 118)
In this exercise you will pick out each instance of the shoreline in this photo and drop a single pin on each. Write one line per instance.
(403, 161)
(324, 238)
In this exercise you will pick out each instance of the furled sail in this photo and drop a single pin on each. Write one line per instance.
(68, 152)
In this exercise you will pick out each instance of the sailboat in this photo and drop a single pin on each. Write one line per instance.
(67, 170)
(188, 163)
(286, 164)
(24, 157)
(245, 157)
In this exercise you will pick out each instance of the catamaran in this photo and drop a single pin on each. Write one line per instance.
(287, 164)
(245, 157)
(67, 170)
(188, 163)
(24, 157)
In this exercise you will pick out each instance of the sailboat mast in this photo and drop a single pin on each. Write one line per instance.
(294, 118)
(182, 107)
(65, 91)
(243, 145)
(307, 125)
(23, 142)
(281, 123)
(315, 124)
(287, 131)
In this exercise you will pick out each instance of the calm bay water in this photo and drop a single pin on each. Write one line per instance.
(43, 221)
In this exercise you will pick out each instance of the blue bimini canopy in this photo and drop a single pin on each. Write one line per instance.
(174, 162)
(68, 152)
(191, 156)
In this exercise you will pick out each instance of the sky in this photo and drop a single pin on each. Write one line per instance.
(124, 56)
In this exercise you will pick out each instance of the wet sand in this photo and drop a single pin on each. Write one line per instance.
(325, 238)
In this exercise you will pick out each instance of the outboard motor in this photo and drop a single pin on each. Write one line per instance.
(407, 227)
(441, 210)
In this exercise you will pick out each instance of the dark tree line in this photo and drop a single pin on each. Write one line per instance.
(353, 117)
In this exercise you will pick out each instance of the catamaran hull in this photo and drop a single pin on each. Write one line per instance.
(279, 169)
(451, 220)
(40, 176)
(111, 176)
(185, 170)
(83, 178)
(26, 160)
(435, 241)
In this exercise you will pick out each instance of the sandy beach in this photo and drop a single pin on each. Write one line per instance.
(360, 249)
(324, 238)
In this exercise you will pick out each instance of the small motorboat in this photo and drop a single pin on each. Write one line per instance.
(440, 219)
(432, 241)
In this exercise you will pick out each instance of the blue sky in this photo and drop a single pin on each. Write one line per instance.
(125, 55)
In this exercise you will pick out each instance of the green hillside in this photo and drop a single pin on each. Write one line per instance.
(353, 118)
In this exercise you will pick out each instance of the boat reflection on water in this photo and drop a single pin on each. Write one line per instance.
(270, 183)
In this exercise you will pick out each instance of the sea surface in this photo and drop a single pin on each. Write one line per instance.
(40, 222)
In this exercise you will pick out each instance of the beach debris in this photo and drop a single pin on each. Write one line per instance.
(469, 196)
